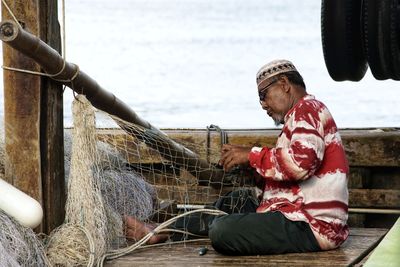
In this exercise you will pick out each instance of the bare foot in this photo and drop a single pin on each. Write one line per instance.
(136, 230)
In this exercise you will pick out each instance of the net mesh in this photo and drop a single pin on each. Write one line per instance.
(126, 171)
(19, 246)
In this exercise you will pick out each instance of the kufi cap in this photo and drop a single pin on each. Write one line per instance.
(274, 68)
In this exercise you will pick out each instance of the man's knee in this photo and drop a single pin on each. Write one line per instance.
(215, 230)
(222, 235)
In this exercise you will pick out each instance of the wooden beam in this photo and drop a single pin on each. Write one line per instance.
(358, 198)
(364, 147)
(33, 116)
(22, 109)
(190, 194)
(51, 126)
(373, 148)
(374, 198)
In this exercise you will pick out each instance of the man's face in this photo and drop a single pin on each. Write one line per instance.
(274, 98)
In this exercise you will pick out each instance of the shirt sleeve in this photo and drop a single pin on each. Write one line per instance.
(298, 161)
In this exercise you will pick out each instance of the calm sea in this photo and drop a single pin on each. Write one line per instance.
(192, 63)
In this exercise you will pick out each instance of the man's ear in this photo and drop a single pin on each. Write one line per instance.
(285, 83)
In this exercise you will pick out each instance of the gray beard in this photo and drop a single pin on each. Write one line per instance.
(277, 122)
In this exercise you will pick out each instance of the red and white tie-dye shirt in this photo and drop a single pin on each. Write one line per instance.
(306, 173)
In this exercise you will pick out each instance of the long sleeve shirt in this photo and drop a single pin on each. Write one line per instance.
(306, 173)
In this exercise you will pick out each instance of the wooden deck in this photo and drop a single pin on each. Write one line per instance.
(359, 244)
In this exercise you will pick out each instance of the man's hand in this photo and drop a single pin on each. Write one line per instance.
(233, 155)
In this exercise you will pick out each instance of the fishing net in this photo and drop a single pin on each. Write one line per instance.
(127, 170)
(133, 171)
(19, 245)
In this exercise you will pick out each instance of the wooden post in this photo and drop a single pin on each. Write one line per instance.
(33, 116)
(52, 125)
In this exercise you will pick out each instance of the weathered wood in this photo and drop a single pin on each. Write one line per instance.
(33, 116)
(358, 176)
(356, 220)
(195, 194)
(359, 241)
(22, 96)
(374, 198)
(375, 210)
(190, 194)
(383, 178)
(373, 148)
(51, 126)
(363, 147)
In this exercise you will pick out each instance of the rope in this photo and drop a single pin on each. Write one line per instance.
(161, 228)
(63, 52)
(91, 245)
(11, 13)
(85, 231)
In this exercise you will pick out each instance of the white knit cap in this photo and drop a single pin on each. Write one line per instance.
(273, 68)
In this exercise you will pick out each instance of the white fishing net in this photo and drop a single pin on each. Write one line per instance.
(124, 171)
(19, 246)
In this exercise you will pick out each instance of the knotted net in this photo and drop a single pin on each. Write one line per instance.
(132, 171)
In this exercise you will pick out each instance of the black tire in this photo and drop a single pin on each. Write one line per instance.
(376, 28)
(341, 34)
(395, 38)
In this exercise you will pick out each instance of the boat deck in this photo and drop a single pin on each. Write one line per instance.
(353, 252)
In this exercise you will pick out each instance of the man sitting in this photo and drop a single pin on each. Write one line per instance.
(304, 201)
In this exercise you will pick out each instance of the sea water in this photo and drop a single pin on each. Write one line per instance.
(192, 63)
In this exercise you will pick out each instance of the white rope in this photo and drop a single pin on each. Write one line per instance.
(91, 245)
(63, 49)
(161, 228)
(11, 13)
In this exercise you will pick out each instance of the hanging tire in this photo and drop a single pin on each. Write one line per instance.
(377, 45)
(395, 38)
(341, 34)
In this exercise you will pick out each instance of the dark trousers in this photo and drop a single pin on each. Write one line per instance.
(245, 232)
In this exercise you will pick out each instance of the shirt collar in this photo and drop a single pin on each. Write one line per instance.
(291, 111)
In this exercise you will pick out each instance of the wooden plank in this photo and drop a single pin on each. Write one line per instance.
(373, 148)
(359, 241)
(22, 109)
(374, 198)
(356, 220)
(190, 194)
(383, 178)
(381, 146)
(51, 126)
(195, 194)
(387, 253)
(357, 177)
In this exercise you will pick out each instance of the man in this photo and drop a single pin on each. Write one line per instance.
(304, 197)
